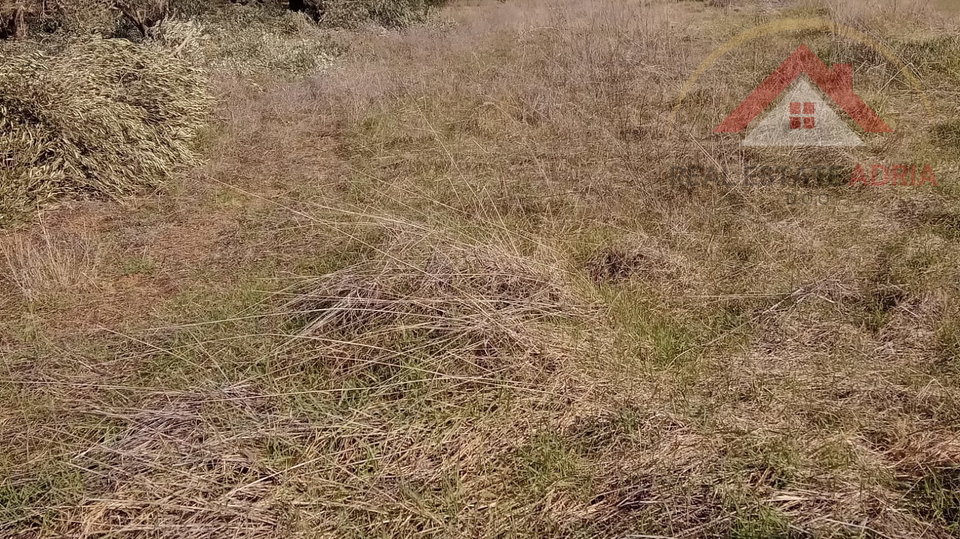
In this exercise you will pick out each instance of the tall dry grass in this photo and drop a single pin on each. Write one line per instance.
(735, 318)
(505, 321)
(49, 267)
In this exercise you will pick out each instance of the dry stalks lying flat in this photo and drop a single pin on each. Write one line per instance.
(463, 300)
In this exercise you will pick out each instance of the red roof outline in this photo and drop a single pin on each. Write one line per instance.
(836, 83)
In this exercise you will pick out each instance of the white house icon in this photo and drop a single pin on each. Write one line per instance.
(802, 118)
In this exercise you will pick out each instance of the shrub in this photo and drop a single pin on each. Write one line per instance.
(395, 13)
(137, 19)
(250, 41)
(14, 16)
(80, 17)
(102, 116)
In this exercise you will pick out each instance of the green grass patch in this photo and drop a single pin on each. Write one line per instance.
(936, 496)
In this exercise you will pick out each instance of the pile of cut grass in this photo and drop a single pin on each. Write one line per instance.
(99, 117)
(441, 298)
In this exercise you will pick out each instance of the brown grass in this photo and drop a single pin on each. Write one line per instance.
(446, 291)
(46, 266)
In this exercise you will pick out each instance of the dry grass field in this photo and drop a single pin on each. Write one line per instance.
(436, 282)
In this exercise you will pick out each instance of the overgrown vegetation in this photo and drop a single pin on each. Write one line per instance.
(143, 19)
(446, 288)
(97, 117)
(251, 42)
(395, 13)
(101, 97)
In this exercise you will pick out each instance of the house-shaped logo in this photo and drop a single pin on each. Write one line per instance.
(803, 117)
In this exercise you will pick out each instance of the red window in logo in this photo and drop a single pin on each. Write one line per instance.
(802, 115)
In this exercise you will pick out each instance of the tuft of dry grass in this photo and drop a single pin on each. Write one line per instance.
(50, 266)
(391, 13)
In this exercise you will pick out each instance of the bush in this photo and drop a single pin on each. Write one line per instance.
(102, 116)
(250, 41)
(348, 13)
(79, 17)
